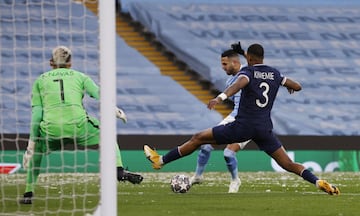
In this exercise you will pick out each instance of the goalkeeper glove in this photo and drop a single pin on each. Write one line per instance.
(237, 48)
(28, 154)
(121, 114)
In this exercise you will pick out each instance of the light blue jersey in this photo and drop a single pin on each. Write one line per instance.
(236, 97)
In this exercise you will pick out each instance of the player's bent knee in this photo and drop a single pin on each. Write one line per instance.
(207, 148)
(234, 147)
(229, 153)
(198, 138)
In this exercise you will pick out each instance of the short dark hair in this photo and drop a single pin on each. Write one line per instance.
(256, 50)
(229, 53)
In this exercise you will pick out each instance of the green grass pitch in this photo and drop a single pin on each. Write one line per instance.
(261, 193)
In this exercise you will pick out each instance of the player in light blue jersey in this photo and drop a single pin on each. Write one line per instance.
(230, 62)
(259, 84)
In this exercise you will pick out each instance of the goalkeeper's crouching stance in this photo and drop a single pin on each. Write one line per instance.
(59, 118)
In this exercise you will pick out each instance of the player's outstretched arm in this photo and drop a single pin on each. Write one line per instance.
(292, 85)
(28, 154)
(240, 83)
(36, 117)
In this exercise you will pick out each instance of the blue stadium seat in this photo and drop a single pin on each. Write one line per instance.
(154, 103)
(315, 45)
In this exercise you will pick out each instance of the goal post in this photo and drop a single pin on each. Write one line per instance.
(73, 180)
(108, 194)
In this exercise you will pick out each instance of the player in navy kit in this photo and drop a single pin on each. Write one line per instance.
(259, 84)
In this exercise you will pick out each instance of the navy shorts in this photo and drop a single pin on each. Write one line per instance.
(237, 131)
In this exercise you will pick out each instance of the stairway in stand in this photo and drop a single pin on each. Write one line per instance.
(167, 63)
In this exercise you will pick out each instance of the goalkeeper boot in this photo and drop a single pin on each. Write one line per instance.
(123, 175)
(153, 156)
(328, 188)
(133, 177)
(196, 179)
(234, 185)
(27, 199)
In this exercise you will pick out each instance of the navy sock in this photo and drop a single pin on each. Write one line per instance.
(172, 155)
(309, 176)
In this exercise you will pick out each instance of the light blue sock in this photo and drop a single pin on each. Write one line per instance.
(231, 162)
(203, 158)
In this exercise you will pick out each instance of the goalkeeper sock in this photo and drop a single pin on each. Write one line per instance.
(119, 162)
(203, 158)
(308, 176)
(33, 172)
(231, 162)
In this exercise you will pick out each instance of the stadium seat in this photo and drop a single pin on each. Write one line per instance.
(308, 44)
(151, 100)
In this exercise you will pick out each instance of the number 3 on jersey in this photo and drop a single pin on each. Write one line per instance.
(265, 94)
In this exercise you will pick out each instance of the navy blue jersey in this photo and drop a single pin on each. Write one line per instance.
(253, 120)
(257, 98)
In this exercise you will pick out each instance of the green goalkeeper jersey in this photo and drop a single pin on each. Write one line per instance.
(60, 92)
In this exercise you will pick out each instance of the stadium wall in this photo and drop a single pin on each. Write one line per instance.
(320, 153)
(80, 161)
(166, 142)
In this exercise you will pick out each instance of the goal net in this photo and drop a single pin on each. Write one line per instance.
(69, 181)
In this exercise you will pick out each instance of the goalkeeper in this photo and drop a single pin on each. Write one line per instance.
(59, 118)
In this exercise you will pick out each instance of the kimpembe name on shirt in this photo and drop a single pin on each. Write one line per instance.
(264, 75)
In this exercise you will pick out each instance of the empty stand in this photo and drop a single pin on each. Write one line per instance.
(316, 45)
(155, 103)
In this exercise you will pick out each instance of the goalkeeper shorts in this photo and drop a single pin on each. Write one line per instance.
(86, 134)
